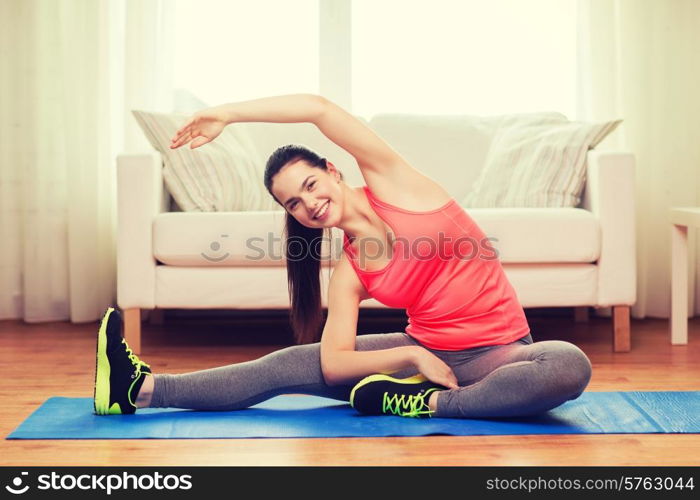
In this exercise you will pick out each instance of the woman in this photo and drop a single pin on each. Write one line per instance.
(467, 351)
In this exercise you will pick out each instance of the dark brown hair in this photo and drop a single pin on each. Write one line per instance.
(302, 251)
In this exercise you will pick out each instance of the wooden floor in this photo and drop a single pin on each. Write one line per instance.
(57, 359)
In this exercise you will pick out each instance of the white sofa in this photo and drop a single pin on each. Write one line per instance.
(579, 257)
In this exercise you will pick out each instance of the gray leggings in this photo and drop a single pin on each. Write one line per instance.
(517, 379)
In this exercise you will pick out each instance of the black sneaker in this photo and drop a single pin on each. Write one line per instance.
(385, 395)
(119, 373)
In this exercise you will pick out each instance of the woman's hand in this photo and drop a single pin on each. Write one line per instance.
(204, 126)
(435, 369)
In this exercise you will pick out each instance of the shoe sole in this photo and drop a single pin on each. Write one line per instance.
(416, 379)
(102, 368)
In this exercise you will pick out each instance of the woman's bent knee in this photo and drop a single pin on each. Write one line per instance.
(580, 369)
(573, 368)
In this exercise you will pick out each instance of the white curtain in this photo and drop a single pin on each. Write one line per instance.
(640, 60)
(70, 71)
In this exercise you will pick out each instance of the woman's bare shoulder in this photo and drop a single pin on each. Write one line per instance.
(406, 187)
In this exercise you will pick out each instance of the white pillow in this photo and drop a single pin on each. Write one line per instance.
(223, 175)
(537, 164)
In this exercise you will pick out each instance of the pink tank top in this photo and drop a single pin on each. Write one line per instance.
(446, 275)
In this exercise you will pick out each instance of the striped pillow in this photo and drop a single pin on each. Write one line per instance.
(537, 165)
(221, 176)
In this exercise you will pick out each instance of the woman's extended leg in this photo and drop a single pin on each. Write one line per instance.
(516, 379)
(295, 369)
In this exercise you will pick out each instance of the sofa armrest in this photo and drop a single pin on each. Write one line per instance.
(140, 196)
(610, 195)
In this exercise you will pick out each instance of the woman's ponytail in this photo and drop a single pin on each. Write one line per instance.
(302, 249)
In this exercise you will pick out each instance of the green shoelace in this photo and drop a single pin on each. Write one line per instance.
(412, 405)
(134, 358)
(135, 376)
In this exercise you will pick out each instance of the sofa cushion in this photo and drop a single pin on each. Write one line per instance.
(233, 239)
(252, 238)
(541, 235)
(537, 164)
(225, 174)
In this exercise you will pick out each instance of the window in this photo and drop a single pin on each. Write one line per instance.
(479, 57)
(234, 50)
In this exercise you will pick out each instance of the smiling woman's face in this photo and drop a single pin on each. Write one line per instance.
(312, 195)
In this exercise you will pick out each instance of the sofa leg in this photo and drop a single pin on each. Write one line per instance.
(621, 329)
(132, 329)
(581, 314)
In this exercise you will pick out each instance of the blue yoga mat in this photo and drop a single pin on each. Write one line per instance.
(293, 416)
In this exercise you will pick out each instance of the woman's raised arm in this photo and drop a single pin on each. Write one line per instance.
(368, 148)
(341, 127)
(205, 125)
